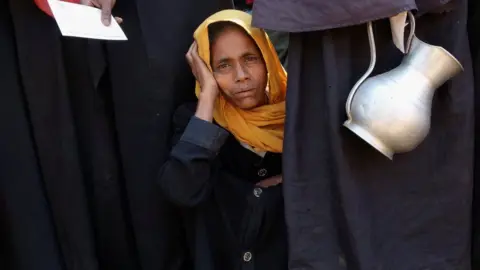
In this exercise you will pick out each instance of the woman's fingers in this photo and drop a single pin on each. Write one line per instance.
(270, 182)
(189, 58)
(200, 66)
(195, 55)
(199, 69)
(190, 48)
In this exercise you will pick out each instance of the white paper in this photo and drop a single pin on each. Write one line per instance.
(397, 24)
(82, 21)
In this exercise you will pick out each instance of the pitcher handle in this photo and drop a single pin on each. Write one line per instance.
(373, 60)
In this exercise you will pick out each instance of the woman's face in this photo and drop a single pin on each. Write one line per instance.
(239, 69)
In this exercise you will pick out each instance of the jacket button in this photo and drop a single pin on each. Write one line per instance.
(247, 256)
(262, 172)
(257, 192)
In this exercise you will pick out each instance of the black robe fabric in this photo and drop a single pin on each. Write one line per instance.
(314, 15)
(50, 132)
(347, 206)
(26, 228)
(67, 128)
(231, 223)
(85, 128)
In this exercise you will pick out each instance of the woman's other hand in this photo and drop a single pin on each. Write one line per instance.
(208, 84)
(271, 181)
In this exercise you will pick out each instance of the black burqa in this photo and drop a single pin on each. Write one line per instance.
(46, 222)
(84, 132)
(347, 206)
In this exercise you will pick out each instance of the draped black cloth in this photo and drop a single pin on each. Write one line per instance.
(85, 126)
(347, 206)
(48, 143)
(313, 15)
(26, 228)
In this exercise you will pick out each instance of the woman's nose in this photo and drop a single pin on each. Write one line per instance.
(241, 73)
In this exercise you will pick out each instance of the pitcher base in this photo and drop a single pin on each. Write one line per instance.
(366, 136)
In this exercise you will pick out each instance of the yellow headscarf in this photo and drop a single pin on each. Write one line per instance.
(261, 127)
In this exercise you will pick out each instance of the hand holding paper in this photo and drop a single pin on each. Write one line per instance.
(106, 7)
(82, 21)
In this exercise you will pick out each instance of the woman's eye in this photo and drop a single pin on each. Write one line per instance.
(222, 66)
(251, 58)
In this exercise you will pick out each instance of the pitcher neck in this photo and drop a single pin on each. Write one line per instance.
(434, 62)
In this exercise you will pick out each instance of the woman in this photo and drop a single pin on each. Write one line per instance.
(225, 166)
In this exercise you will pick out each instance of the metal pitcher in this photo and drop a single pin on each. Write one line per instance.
(391, 111)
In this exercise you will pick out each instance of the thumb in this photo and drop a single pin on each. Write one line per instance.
(86, 2)
(106, 14)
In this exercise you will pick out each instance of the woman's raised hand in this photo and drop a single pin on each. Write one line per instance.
(208, 84)
(201, 72)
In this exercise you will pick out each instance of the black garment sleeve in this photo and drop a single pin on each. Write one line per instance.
(188, 174)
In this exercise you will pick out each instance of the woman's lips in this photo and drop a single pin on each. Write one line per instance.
(244, 93)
